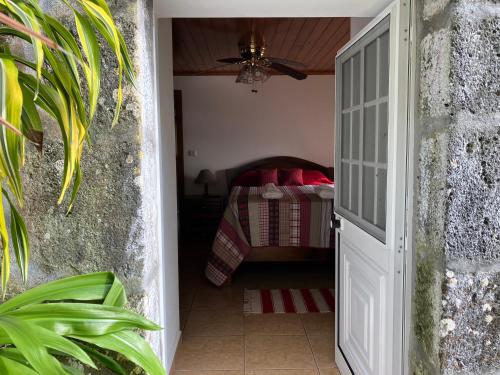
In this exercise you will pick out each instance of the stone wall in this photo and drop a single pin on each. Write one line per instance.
(113, 225)
(457, 224)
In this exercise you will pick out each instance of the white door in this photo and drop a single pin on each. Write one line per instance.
(370, 176)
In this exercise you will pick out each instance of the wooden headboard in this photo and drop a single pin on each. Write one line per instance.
(277, 162)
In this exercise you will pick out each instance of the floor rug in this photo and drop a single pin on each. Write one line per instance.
(289, 301)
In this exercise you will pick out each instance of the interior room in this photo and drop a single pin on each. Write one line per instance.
(265, 279)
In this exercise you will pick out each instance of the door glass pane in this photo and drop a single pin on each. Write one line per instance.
(363, 131)
(371, 71)
(344, 188)
(354, 188)
(369, 139)
(346, 136)
(368, 193)
(356, 75)
(382, 133)
(355, 135)
(346, 84)
(384, 65)
(381, 197)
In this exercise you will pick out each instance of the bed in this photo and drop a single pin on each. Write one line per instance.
(294, 228)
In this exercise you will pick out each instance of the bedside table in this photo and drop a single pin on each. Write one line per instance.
(200, 215)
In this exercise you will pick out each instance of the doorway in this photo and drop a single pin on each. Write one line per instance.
(346, 369)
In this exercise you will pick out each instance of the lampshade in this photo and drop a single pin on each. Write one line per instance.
(206, 176)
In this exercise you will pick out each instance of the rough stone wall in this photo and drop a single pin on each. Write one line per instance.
(457, 226)
(113, 225)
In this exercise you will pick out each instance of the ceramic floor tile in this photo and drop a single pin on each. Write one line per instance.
(183, 316)
(210, 353)
(323, 347)
(273, 324)
(214, 323)
(278, 352)
(186, 299)
(329, 371)
(319, 323)
(282, 372)
(222, 299)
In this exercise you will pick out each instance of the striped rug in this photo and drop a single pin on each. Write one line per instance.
(291, 301)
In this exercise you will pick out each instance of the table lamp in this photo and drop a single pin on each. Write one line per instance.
(205, 177)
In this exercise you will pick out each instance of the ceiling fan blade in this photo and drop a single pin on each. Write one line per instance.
(288, 71)
(231, 60)
(213, 69)
(290, 63)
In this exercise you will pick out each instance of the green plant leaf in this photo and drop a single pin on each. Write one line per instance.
(89, 287)
(11, 367)
(11, 104)
(106, 26)
(27, 17)
(72, 371)
(130, 345)
(5, 247)
(31, 125)
(92, 52)
(19, 235)
(57, 342)
(30, 346)
(81, 318)
(105, 360)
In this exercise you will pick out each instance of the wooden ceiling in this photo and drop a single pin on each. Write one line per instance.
(314, 42)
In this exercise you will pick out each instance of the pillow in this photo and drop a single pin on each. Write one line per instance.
(313, 177)
(267, 176)
(291, 177)
(248, 178)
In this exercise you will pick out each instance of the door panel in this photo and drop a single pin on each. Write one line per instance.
(362, 305)
(370, 165)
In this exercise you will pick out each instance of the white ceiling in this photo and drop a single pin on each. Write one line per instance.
(269, 8)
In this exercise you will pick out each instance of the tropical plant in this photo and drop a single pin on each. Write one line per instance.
(50, 328)
(76, 318)
(63, 80)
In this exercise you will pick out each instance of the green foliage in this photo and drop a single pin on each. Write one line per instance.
(74, 317)
(65, 69)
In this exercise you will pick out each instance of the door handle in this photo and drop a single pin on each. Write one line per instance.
(338, 223)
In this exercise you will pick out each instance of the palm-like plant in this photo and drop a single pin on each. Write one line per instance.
(79, 316)
(64, 71)
(74, 317)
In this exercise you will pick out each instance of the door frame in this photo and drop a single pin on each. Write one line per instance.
(400, 11)
(168, 290)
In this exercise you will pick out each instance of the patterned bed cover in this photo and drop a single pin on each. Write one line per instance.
(299, 219)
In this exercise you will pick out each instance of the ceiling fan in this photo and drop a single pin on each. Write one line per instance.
(255, 66)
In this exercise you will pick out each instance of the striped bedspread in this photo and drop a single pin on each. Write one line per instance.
(299, 219)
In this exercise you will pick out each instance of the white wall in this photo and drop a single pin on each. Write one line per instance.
(168, 186)
(228, 125)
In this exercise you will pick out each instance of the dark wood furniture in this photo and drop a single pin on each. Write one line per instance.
(201, 214)
(275, 253)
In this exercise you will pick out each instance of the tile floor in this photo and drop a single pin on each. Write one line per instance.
(218, 339)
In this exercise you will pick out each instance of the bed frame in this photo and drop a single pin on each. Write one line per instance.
(276, 162)
(275, 253)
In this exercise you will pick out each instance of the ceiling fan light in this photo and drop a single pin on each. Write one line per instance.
(250, 74)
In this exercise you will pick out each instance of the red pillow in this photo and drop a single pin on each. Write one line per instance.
(291, 177)
(312, 177)
(267, 176)
(248, 178)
